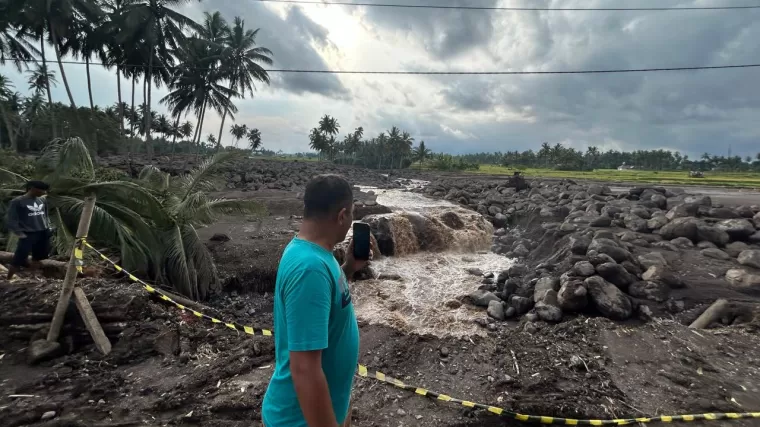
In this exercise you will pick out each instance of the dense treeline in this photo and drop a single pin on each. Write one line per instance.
(204, 65)
(559, 157)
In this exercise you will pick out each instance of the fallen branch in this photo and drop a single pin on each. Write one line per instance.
(712, 314)
(514, 358)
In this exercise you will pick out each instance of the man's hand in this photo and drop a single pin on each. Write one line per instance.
(351, 265)
(21, 235)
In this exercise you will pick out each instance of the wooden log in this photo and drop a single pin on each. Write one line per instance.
(71, 272)
(712, 314)
(105, 316)
(50, 268)
(91, 321)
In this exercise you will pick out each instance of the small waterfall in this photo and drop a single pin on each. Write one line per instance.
(428, 246)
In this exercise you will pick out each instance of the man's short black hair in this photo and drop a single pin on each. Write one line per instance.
(326, 195)
(39, 185)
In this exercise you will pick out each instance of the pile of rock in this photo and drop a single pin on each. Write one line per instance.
(583, 249)
(255, 174)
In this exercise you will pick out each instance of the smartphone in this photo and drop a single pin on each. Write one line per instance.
(361, 241)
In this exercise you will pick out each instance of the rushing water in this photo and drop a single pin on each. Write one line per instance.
(418, 293)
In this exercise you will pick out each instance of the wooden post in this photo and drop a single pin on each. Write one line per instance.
(71, 272)
(91, 321)
(712, 314)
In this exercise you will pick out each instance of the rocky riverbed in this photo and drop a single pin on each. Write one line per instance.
(583, 250)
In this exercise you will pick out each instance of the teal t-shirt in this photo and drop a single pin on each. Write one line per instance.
(312, 311)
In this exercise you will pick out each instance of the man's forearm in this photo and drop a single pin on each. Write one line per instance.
(314, 398)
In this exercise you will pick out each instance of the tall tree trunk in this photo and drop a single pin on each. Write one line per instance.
(8, 128)
(148, 118)
(47, 88)
(174, 136)
(131, 115)
(60, 66)
(89, 80)
(121, 106)
(221, 128)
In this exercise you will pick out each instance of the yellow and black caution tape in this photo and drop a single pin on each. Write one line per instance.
(364, 372)
(231, 325)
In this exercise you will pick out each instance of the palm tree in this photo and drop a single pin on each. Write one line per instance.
(13, 42)
(421, 153)
(123, 210)
(239, 132)
(40, 79)
(162, 125)
(254, 138)
(197, 86)
(328, 125)
(318, 141)
(186, 129)
(6, 92)
(60, 19)
(185, 261)
(157, 26)
(241, 62)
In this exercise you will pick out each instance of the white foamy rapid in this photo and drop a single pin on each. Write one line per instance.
(419, 293)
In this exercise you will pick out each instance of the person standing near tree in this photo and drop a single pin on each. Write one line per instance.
(316, 334)
(28, 220)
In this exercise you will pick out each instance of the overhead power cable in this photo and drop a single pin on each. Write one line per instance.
(507, 8)
(449, 73)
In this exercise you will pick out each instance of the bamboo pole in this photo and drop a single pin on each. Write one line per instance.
(71, 272)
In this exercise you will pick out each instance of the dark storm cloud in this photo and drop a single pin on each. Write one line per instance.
(445, 33)
(290, 40)
(692, 111)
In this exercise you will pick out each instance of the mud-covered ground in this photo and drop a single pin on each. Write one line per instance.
(167, 368)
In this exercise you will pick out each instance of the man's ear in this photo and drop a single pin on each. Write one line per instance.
(342, 215)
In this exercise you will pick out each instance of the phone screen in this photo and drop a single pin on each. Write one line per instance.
(361, 241)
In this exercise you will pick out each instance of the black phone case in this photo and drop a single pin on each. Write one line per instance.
(361, 241)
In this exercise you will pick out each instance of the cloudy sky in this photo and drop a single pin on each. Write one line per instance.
(691, 111)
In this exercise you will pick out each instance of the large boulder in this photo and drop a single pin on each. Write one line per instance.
(660, 274)
(572, 296)
(750, 258)
(608, 299)
(543, 286)
(708, 233)
(601, 221)
(652, 258)
(680, 227)
(615, 274)
(636, 223)
(583, 268)
(579, 244)
(657, 221)
(722, 213)
(742, 279)
(735, 248)
(609, 247)
(738, 229)
(652, 291)
(483, 298)
(548, 309)
(521, 304)
(699, 199)
(683, 211)
(715, 253)
(599, 190)
(496, 310)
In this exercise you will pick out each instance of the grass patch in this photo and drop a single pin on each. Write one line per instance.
(721, 179)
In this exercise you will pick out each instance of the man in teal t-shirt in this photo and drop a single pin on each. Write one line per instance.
(316, 335)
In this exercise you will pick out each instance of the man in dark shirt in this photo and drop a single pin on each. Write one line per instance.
(28, 220)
